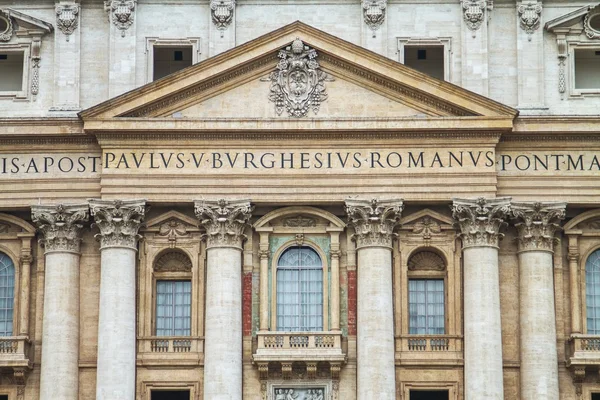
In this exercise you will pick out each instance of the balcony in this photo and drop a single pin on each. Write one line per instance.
(583, 350)
(170, 350)
(15, 352)
(429, 350)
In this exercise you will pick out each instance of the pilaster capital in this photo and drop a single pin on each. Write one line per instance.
(60, 225)
(480, 220)
(224, 221)
(373, 221)
(118, 221)
(537, 223)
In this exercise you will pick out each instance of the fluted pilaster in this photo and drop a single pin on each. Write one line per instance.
(61, 227)
(374, 222)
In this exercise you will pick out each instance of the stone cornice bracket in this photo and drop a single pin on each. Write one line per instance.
(480, 220)
(530, 16)
(118, 222)
(121, 13)
(224, 221)
(474, 12)
(374, 13)
(222, 13)
(67, 18)
(60, 225)
(537, 223)
(373, 221)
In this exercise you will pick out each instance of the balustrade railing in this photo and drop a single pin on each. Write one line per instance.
(280, 346)
(583, 350)
(170, 344)
(429, 343)
(14, 351)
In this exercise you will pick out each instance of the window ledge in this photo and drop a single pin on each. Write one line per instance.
(299, 346)
(170, 350)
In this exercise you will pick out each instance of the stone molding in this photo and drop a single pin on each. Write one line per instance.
(67, 18)
(224, 221)
(61, 226)
(530, 15)
(118, 221)
(6, 35)
(590, 32)
(373, 221)
(537, 224)
(222, 13)
(480, 220)
(121, 13)
(374, 13)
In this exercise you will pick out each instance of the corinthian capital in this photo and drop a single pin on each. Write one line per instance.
(480, 220)
(61, 225)
(537, 223)
(118, 221)
(373, 221)
(224, 221)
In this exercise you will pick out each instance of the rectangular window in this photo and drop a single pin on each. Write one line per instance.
(169, 395)
(171, 59)
(429, 395)
(426, 306)
(587, 69)
(11, 72)
(426, 59)
(595, 396)
(173, 308)
(3, 397)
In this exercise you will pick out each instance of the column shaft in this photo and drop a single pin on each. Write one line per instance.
(483, 334)
(376, 378)
(116, 325)
(539, 366)
(223, 332)
(60, 340)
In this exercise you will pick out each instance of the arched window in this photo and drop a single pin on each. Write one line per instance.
(299, 290)
(592, 292)
(172, 271)
(7, 294)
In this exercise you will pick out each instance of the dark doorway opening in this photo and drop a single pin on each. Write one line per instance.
(595, 396)
(170, 395)
(429, 395)
(3, 396)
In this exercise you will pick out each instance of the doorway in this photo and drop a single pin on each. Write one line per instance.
(170, 395)
(429, 395)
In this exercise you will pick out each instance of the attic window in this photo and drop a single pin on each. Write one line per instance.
(587, 69)
(171, 59)
(11, 71)
(427, 59)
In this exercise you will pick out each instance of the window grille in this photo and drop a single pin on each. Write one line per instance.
(299, 290)
(592, 292)
(426, 306)
(173, 308)
(7, 295)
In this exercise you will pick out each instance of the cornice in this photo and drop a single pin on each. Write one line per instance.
(566, 125)
(40, 126)
(33, 140)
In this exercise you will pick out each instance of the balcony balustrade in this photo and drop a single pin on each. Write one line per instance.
(170, 350)
(429, 349)
(15, 352)
(299, 346)
(583, 350)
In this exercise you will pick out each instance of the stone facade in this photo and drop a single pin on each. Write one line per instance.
(299, 127)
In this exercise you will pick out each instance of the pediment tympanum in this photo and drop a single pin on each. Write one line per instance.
(296, 73)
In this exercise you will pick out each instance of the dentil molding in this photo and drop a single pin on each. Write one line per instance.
(537, 223)
(118, 221)
(60, 225)
(224, 221)
(373, 221)
(480, 220)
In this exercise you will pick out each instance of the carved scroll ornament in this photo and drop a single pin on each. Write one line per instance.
(298, 83)
(60, 225)
(537, 224)
(118, 221)
(480, 220)
(224, 221)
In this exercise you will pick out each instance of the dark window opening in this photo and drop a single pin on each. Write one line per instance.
(169, 395)
(3, 56)
(11, 73)
(587, 69)
(170, 59)
(595, 396)
(429, 60)
(3, 396)
(429, 395)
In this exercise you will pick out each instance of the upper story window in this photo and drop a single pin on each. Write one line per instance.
(428, 55)
(173, 308)
(7, 295)
(171, 59)
(426, 306)
(299, 290)
(11, 71)
(592, 292)
(587, 68)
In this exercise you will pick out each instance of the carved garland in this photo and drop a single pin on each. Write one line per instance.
(298, 83)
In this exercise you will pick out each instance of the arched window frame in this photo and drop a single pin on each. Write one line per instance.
(325, 278)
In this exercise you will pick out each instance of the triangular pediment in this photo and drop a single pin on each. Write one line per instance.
(357, 84)
(571, 19)
(23, 24)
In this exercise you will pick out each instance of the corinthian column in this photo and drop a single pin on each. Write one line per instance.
(118, 222)
(536, 224)
(374, 222)
(225, 222)
(61, 229)
(480, 222)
